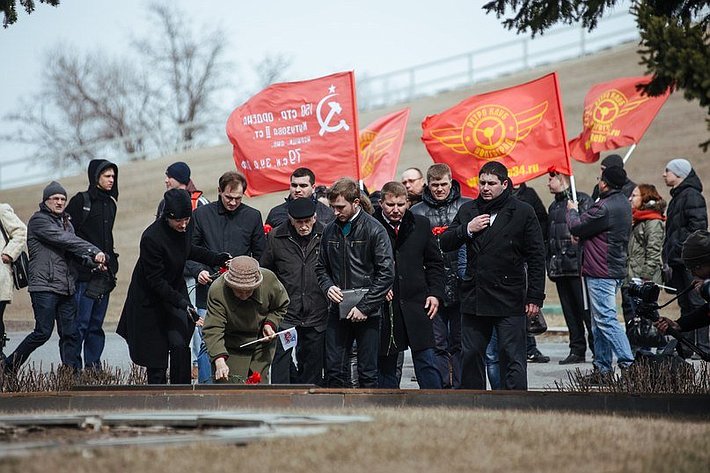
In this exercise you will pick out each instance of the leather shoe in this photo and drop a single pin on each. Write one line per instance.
(538, 357)
(573, 359)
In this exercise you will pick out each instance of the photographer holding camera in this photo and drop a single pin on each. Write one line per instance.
(696, 257)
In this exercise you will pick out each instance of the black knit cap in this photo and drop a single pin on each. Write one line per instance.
(179, 171)
(696, 249)
(614, 176)
(177, 204)
(613, 161)
(301, 208)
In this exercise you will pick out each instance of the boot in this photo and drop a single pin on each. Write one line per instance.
(3, 342)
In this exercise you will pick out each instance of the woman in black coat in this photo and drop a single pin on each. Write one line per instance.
(156, 317)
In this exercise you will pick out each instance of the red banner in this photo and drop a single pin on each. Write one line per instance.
(616, 114)
(380, 144)
(309, 124)
(522, 127)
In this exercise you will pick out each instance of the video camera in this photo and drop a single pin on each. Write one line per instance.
(641, 330)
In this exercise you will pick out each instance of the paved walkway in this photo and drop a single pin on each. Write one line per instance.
(540, 375)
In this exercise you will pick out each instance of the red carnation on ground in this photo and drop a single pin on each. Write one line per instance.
(267, 228)
(439, 230)
(255, 378)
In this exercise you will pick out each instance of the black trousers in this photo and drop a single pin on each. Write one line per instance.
(339, 337)
(447, 344)
(476, 332)
(310, 352)
(681, 279)
(3, 304)
(569, 290)
(179, 333)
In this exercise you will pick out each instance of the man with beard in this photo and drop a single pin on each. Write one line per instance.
(502, 235)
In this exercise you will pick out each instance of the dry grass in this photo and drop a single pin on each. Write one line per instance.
(427, 440)
(676, 131)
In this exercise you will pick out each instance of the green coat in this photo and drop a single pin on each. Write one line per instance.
(645, 246)
(231, 322)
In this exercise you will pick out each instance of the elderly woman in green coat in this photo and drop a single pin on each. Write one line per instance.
(244, 304)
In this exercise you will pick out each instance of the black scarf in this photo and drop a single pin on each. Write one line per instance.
(493, 206)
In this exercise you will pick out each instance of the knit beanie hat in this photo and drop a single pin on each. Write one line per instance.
(179, 171)
(613, 161)
(615, 176)
(243, 274)
(53, 188)
(177, 204)
(696, 249)
(680, 167)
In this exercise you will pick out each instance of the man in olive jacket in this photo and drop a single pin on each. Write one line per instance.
(244, 304)
(502, 235)
(355, 253)
(292, 253)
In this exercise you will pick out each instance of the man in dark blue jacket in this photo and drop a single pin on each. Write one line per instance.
(604, 232)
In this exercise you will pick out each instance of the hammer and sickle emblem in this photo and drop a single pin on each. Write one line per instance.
(325, 123)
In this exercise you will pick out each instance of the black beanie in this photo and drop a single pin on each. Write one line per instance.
(614, 176)
(53, 188)
(179, 171)
(177, 204)
(613, 161)
(696, 249)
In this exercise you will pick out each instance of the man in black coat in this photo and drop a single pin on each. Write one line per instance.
(93, 213)
(614, 160)
(440, 201)
(414, 299)
(687, 212)
(355, 253)
(291, 253)
(157, 318)
(303, 185)
(502, 236)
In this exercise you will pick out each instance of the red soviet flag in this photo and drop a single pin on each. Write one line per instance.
(616, 114)
(380, 144)
(522, 127)
(311, 124)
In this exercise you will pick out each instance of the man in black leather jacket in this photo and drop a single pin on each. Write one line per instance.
(440, 203)
(355, 253)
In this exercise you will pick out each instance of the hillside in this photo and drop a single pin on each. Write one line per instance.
(676, 132)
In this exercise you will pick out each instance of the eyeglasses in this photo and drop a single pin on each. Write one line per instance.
(230, 198)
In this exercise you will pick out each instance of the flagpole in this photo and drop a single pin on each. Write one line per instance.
(558, 95)
(263, 339)
(628, 153)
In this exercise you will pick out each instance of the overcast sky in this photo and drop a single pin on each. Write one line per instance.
(321, 37)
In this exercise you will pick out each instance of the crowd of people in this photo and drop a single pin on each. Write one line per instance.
(359, 278)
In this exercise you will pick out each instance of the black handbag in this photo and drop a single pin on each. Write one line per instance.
(537, 324)
(100, 284)
(20, 266)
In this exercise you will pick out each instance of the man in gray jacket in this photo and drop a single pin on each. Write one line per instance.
(53, 247)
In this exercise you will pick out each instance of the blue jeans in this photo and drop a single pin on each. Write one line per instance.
(199, 351)
(492, 364)
(48, 307)
(609, 336)
(90, 315)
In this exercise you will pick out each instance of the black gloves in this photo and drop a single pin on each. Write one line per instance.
(222, 258)
(192, 314)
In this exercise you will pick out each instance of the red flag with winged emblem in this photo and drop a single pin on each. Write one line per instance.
(616, 114)
(311, 124)
(522, 127)
(380, 144)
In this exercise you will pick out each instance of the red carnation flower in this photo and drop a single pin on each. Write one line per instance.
(255, 378)
(267, 228)
(438, 230)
